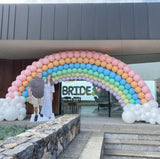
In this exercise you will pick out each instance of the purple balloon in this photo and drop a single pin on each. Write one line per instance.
(122, 104)
(56, 82)
(107, 89)
(91, 80)
(114, 93)
(99, 84)
(118, 97)
(111, 91)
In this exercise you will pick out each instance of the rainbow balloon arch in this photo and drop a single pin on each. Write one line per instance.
(101, 70)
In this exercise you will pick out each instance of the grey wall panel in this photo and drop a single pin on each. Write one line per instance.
(100, 30)
(34, 22)
(61, 21)
(114, 21)
(5, 22)
(1, 18)
(127, 21)
(74, 22)
(154, 20)
(141, 21)
(11, 22)
(21, 18)
(87, 26)
(47, 29)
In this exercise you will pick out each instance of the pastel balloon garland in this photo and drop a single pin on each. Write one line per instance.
(102, 70)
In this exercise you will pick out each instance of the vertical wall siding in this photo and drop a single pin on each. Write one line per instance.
(80, 21)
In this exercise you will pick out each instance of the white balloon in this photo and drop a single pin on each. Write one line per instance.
(152, 121)
(147, 107)
(21, 117)
(22, 111)
(22, 99)
(15, 94)
(11, 113)
(5, 104)
(19, 105)
(128, 117)
(158, 119)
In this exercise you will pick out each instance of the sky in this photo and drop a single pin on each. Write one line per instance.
(77, 1)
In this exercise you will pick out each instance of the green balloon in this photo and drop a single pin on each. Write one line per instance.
(27, 99)
(74, 70)
(90, 72)
(131, 101)
(111, 81)
(59, 73)
(64, 71)
(96, 74)
(116, 84)
(101, 75)
(43, 78)
(106, 78)
(69, 70)
(80, 70)
(54, 74)
(121, 87)
(125, 92)
(129, 96)
(85, 70)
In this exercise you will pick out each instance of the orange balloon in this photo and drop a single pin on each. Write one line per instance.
(25, 83)
(55, 63)
(61, 61)
(106, 55)
(67, 60)
(19, 93)
(109, 66)
(39, 70)
(114, 68)
(134, 84)
(103, 64)
(33, 74)
(143, 101)
(97, 62)
(119, 71)
(138, 89)
(129, 80)
(50, 65)
(86, 60)
(124, 75)
(44, 67)
(91, 61)
(73, 60)
(80, 60)
(29, 78)
(141, 95)
(21, 88)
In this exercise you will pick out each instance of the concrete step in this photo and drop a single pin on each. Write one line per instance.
(131, 154)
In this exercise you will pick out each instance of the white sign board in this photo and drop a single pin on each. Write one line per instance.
(82, 89)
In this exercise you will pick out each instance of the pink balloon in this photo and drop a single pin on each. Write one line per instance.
(21, 77)
(57, 56)
(136, 77)
(115, 62)
(64, 55)
(102, 57)
(70, 54)
(13, 83)
(131, 73)
(18, 83)
(33, 68)
(27, 72)
(50, 57)
(121, 64)
(10, 94)
(127, 69)
(13, 89)
(9, 89)
(34, 63)
(83, 54)
(45, 61)
(41, 60)
(23, 72)
(18, 77)
(28, 67)
(89, 55)
(145, 89)
(148, 96)
(109, 59)
(76, 54)
(39, 64)
(96, 56)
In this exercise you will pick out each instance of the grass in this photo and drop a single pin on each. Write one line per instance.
(14, 130)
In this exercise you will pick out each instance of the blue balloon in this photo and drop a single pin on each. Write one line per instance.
(100, 69)
(135, 96)
(118, 78)
(94, 68)
(82, 65)
(131, 91)
(55, 69)
(123, 81)
(49, 71)
(88, 66)
(112, 75)
(106, 72)
(137, 101)
(77, 65)
(44, 73)
(26, 89)
(25, 94)
(127, 86)
(71, 65)
(66, 66)
(60, 67)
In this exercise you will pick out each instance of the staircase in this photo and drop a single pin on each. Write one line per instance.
(130, 145)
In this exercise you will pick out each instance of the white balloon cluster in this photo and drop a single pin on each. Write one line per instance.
(12, 109)
(148, 112)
